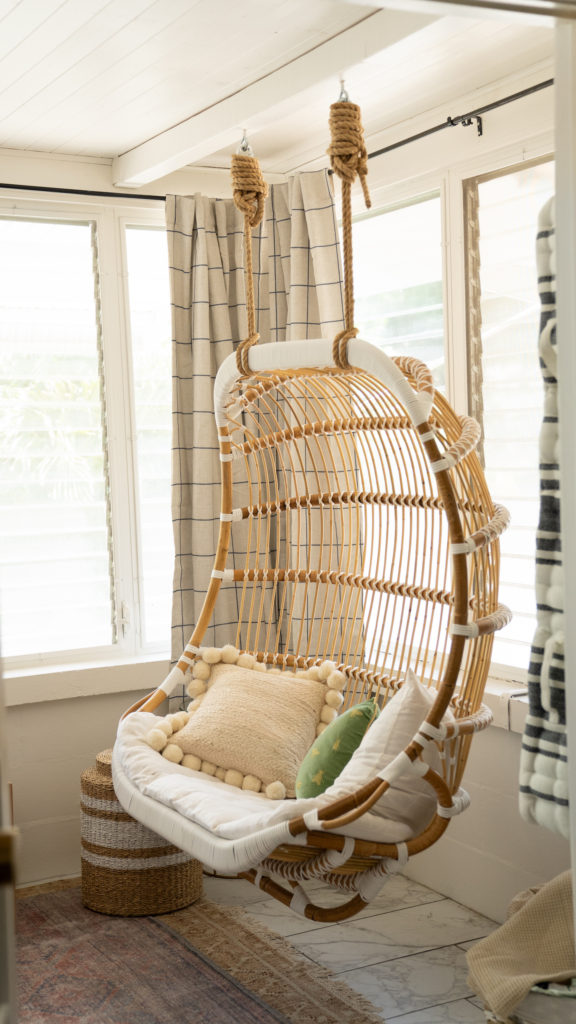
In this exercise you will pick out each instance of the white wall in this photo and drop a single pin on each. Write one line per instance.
(49, 746)
(489, 853)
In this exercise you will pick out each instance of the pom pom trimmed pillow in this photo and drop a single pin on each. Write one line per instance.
(333, 749)
(250, 727)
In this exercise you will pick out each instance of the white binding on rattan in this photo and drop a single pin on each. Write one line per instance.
(226, 458)
(432, 732)
(460, 801)
(311, 819)
(428, 436)
(299, 901)
(369, 883)
(219, 574)
(316, 353)
(463, 549)
(174, 679)
(470, 630)
(231, 517)
(335, 858)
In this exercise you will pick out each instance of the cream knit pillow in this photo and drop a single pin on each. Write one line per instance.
(252, 728)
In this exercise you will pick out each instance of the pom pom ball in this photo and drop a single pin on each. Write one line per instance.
(230, 654)
(233, 778)
(191, 761)
(196, 687)
(173, 753)
(276, 791)
(165, 725)
(326, 668)
(208, 768)
(178, 720)
(156, 739)
(246, 661)
(336, 680)
(211, 655)
(328, 714)
(334, 699)
(200, 670)
(252, 783)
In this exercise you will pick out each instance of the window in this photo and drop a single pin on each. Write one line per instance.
(85, 549)
(400, 272)
(149, 294)
(398, 281)
(57, 554)
(509, 401)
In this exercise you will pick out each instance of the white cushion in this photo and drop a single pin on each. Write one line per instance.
(223, 810)
(409, 800)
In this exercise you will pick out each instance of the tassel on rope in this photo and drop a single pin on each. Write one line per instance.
(249, 191)
(348, 158)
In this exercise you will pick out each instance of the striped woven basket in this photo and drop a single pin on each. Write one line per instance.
(128, 870)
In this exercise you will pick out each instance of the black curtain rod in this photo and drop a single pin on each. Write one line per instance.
(450, 122)
(81, 192)
(465, 119)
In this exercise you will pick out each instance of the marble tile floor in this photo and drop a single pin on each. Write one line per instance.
(405, 952)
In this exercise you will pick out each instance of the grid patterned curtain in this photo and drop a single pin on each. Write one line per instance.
(544, 763)
(298, 289)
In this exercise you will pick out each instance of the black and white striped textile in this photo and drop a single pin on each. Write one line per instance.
(543, 767)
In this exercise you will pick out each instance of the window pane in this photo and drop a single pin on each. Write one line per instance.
(398, 282)
(55, 563)
(512, 393)
(149, 292)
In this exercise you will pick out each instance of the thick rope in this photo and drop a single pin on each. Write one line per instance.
(249, 191)
(348, 158)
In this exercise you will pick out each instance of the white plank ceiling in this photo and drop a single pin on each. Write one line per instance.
(104, 77)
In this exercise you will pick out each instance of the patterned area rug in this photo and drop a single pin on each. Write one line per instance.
(204, 965)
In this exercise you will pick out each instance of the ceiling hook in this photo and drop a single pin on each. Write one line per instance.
(343, 97)
(245, 148)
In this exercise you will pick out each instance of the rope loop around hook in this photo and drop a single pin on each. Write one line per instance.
(249, 188)
(249, 191)
(348, 157)
(347, 149)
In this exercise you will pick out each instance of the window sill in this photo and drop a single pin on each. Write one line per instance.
(508, 703)
(27, 686)
(507, 700)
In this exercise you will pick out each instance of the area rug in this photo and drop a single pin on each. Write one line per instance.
(205, 964)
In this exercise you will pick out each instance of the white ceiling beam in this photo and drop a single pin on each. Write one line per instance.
(219, 125)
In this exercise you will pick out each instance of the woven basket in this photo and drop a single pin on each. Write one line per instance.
(127, 869)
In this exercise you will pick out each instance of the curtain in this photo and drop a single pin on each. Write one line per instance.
(298, 288)
(544, 765)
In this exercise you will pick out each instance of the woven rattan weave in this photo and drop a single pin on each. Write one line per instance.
(357, 526)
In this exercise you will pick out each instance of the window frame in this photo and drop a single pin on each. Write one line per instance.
(111, 218)
(450, 181)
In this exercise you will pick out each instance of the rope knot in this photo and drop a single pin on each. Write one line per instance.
(249, 188)
(242, 354)
(347, 149)
(340, 347)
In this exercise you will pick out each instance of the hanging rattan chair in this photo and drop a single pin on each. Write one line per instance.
(369, 539)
